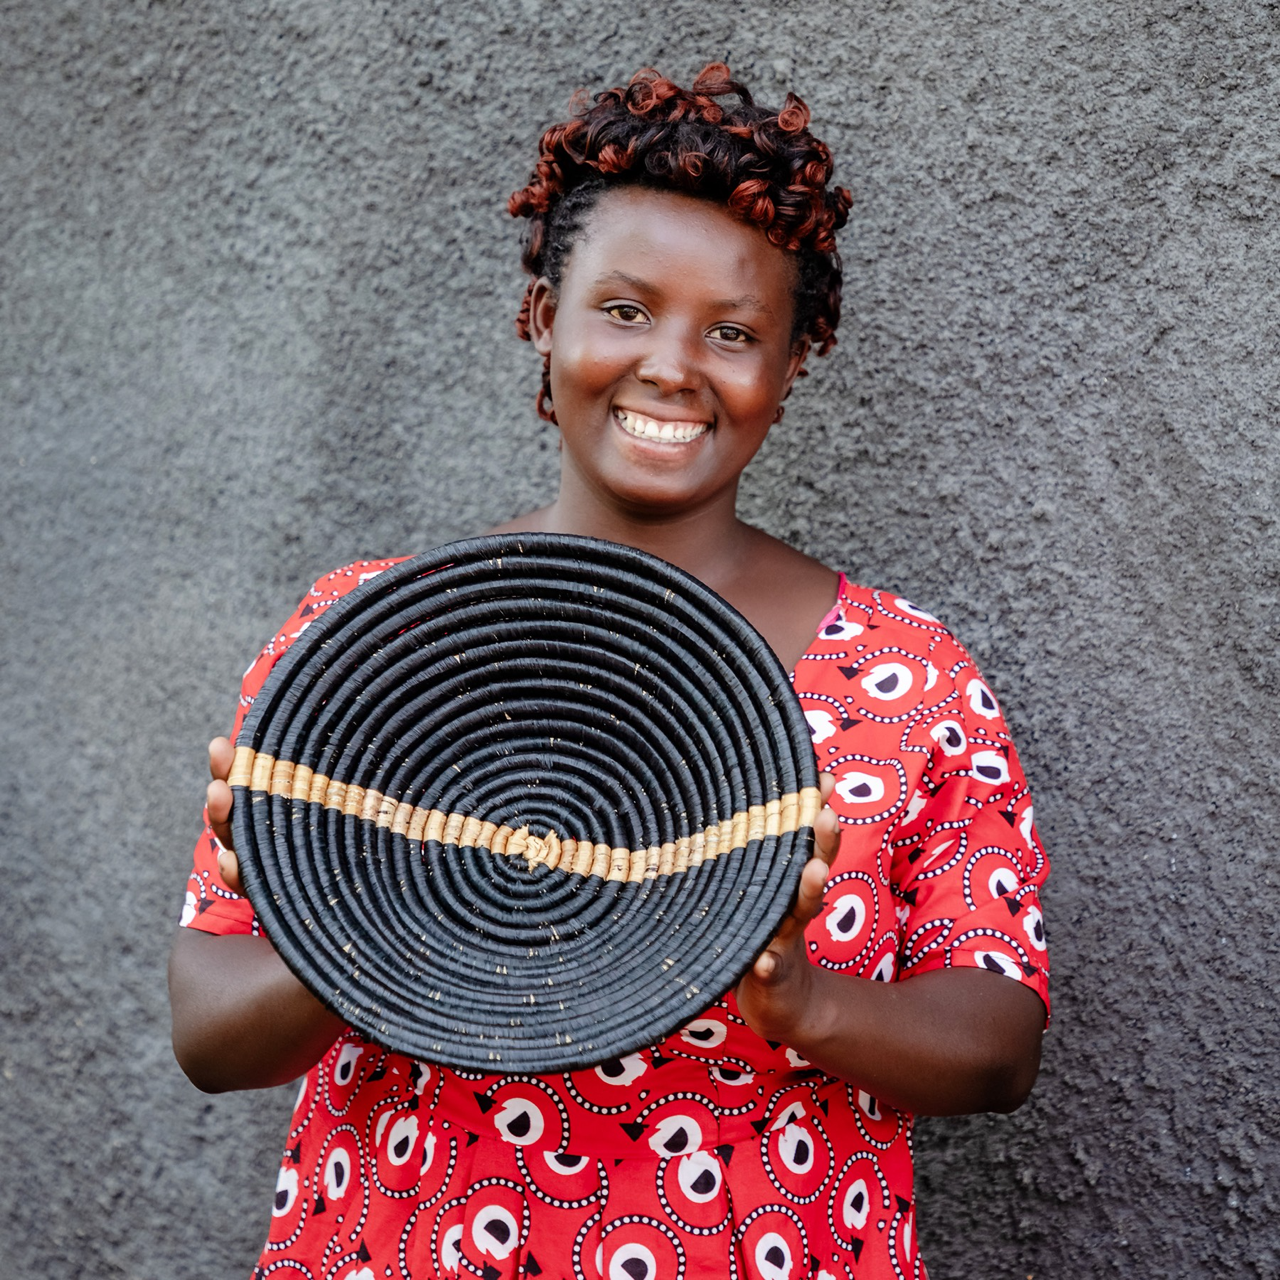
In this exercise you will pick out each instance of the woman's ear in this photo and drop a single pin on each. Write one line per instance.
(795, 364)
(542, 314)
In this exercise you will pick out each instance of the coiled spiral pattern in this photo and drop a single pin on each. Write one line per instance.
(526, 803)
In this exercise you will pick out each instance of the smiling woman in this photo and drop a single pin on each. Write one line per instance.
(681, 252)
(664, 388)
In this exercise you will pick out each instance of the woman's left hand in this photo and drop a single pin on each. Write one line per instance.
(775, 993)
(948, 1042)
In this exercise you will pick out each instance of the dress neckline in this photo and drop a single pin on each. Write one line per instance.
(842, 585)
(831, 615)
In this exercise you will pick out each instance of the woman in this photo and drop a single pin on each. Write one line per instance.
(682, 268)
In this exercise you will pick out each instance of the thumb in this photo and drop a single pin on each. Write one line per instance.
(229, 869)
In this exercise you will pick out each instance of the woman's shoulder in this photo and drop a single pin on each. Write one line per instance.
(333, 586)
(339, 582)
(879, 652)
(882, 621)
(322, 593)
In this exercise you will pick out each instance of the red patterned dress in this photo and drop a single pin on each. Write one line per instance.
(715, 1153)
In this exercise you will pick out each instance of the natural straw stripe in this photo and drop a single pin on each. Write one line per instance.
(264, 773)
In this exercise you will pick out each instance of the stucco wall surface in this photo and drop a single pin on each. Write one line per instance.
(256, 296)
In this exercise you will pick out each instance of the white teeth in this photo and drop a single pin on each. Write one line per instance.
(636, 424)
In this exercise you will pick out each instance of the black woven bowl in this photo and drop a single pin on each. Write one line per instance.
(525, 803)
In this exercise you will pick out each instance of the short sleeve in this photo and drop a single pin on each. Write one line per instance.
(209, 905)
(967, 866)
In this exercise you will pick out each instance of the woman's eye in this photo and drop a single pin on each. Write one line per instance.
(625, 312)
(730, 333)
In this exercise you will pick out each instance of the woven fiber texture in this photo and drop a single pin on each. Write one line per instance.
(528, 802)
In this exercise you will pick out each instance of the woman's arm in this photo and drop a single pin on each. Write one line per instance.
(241, 1020)
(948, 1042)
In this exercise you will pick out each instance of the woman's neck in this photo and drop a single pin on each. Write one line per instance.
(782, 592)
(709, 541)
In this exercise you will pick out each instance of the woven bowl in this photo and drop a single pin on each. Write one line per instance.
(524, 804)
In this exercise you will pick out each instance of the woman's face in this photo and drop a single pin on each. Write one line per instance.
(670, 345)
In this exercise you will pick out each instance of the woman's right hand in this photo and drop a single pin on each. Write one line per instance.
(241, 1020)
(218, 800)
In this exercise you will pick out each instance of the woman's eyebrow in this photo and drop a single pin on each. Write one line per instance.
(622, 278)
(747, 302)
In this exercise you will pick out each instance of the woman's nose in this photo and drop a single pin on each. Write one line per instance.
(670, 362)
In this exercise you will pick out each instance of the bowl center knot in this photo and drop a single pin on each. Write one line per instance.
(534, 849)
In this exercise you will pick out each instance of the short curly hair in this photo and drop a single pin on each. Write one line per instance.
(763, 165)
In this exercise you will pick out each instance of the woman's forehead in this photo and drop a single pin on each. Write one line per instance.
(642, 237)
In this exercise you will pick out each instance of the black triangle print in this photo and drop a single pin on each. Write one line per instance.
(320, 1205)
(363, 1252)
(759, 1125)
(472, 1138)
(903, 1205)
(531, 1267)
(633, 1129)
(485, 1104)
(857, 1249)
(1014, 906)
(1010, 818)
(491, 1272)
(725, 1151)
(847, 672)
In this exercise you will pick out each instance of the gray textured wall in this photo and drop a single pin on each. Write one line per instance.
(256, 296)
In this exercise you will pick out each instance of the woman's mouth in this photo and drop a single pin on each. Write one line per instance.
(636, 424)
